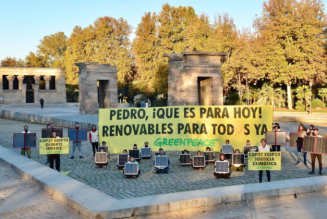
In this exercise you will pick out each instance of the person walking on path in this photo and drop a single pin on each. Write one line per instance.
(42, 102)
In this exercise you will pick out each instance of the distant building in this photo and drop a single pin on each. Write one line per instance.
(29, 85)
(195, 78)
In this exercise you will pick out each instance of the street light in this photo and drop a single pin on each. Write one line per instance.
(310, 83)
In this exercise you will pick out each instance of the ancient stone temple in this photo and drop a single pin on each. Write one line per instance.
(195, 78)
(97, 87)
(29, 85)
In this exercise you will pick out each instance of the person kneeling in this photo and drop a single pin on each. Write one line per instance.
(132, 160)
(225, 174)
(199, 161)
(237, 167)
(101, 161)
(161, 169)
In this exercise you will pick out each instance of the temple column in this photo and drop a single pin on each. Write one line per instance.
(47, 82)
(10, 79)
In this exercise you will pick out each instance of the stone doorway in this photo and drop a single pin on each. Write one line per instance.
(103, 95)
(205, 91)
(30, 96)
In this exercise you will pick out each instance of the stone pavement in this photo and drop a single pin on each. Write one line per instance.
(113, 182)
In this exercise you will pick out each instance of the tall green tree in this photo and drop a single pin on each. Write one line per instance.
(272, 96)
(323, 94)
(292, 38)
(303, 93)
(107, 42)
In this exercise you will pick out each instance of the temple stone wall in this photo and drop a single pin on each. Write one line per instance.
(94, 78)
(195, 78)
(11, 95)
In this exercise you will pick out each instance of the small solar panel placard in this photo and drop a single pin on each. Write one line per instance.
(281, 138)
(146, 152)
(161, 161)
(199, 161)
(30, 140)
(209, 155)
(296, 140)
(131, 168)
(222, 167)
(227, 149)
(104, 148)
(101, 157)
(134, 153)
(247, 149)
(270, 137)
(46, 133)
(309, 144)
(238, 159)
(122, 159)
(184, 159)
(18, 140)
(77, 134)
(321, 145)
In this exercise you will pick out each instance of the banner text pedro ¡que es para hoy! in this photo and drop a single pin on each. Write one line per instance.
(184, 127)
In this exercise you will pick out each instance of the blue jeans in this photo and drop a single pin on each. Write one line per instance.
(299, 149)
(78, 145)
(161, 170)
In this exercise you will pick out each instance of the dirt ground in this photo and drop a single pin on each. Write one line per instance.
(21, 199)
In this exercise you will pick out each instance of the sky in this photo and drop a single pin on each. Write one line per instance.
(23, 23)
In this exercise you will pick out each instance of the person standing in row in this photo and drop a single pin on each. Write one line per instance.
(77, 144)
(302, 130)
(264, 148)
(48, 127)
(54, 157)
(310, 130)
(94, 139)
(27, 150)
(276, 147)
(314, 155)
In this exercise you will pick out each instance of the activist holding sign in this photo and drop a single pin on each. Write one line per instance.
(27, 150)
(184, 127)
(264, 148)
(54, 157)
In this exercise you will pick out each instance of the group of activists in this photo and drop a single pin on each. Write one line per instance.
(93, 137)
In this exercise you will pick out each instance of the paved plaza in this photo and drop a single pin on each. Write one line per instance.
(111, 180)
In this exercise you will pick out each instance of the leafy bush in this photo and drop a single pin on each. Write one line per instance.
(160, 101)
(299, 105)
(317, 103)
(233, 99)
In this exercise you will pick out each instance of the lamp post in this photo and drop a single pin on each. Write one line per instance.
(310, 83)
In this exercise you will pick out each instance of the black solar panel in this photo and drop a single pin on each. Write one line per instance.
(222, 167)
(280, 138)
(295, 139)
(122, 159)
(104, 148)
(185, 159)
(131, 168)
(321, 146)
(30, 141)
(101, 157)
(270, 138)
(238, 158)
(227, 149)
(309, 144)
(46, 133)
(19, 140)
(134, 153)
(209, 155)
(82, 134)
(161, 161)
(247, 149)
(146, 152)
(199, 161)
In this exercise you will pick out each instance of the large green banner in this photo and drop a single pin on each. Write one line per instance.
(184, 127)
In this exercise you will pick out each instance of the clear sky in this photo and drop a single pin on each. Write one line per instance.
(24, 22)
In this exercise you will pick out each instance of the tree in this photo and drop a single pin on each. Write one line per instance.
(323, 93)
(271, 96)
(303, 93)
(291, 35)
(35, 60)
(52, 49)
(105, 42)
(8, 62)
(161, 76)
